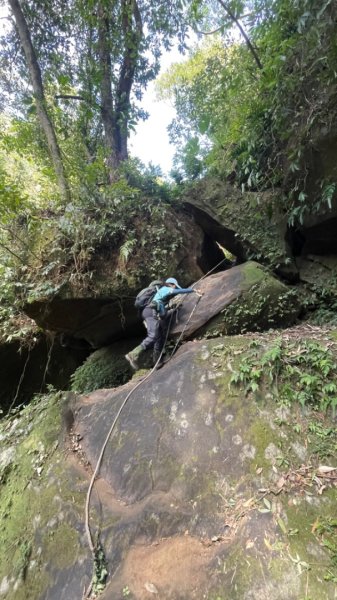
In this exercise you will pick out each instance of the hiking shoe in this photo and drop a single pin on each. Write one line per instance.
(132, 361)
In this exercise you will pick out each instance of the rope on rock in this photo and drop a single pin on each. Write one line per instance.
(93, 548)
(179, 303)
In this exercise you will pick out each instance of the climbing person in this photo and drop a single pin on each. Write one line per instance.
(156, 315)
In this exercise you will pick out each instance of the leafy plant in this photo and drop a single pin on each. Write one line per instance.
(303, 371)
(326, 529)
(100, 571)
(252, 124)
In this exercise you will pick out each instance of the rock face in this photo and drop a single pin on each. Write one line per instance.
(244, 298)
(251, 224)
(319, 223)
(27, 370)
(247, 224)
(199, 496)
(98, 306)
(256, 299)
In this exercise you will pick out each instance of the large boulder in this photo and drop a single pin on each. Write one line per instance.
(98, 305)
(203, 492)
(248, 224)
(244, 298)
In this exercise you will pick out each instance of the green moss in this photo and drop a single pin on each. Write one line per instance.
(307, 519)
(253, 273)
(333, 334)
(105, 368)
(263, 304)
(240, 571)
(267, 304)
(260, 435)
(27, 501)
(61, 546)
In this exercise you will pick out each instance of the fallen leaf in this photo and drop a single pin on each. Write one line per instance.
(282, 525)
(314, 526)
(324, 469)
(269, 546)
(150, 587)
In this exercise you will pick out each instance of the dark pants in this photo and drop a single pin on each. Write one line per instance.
(156, 330)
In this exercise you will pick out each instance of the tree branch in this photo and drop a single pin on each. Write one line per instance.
(209, 32)
(15, 236)
(12, 253)
(68, 97)
(242, 31)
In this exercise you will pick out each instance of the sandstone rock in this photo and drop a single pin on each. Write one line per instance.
(26, 369)
(244, 298)
(249, 225)
(92, 306)
(192, 500)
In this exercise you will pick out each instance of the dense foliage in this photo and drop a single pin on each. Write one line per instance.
(260, 125)
(253, 101)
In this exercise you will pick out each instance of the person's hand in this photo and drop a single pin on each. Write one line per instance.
(199, 293)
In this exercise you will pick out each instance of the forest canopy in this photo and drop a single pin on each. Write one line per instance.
(253, 97)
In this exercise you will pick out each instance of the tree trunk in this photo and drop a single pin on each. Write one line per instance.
(41, 108)
(115, 115)
(132, 38)
(107, 110)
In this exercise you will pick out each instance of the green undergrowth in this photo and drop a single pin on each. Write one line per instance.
(300, 371)
(326, 530)
(261, 309)
(289, 383)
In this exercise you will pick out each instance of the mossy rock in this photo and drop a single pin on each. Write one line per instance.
(248, 224)
(40, 528)
(200, 458)
(104, 368)
(244, 298)
(267, 304)
(199, 478)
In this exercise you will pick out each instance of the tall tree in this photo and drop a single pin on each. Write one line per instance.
(38, 89)
(128, 37)
(96, 59)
